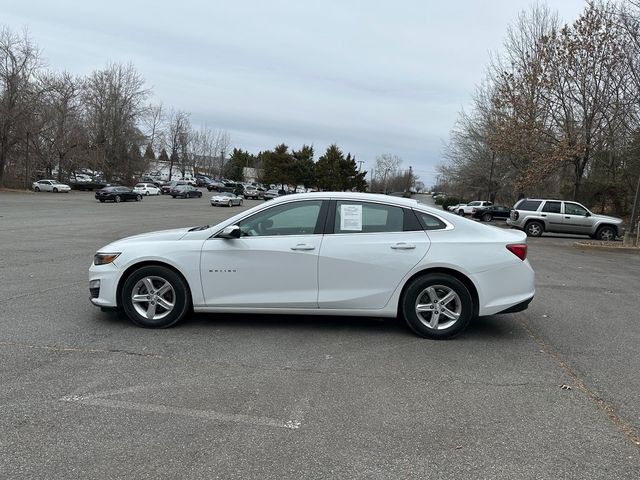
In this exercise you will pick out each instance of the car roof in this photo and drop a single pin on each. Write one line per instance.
(372, 197)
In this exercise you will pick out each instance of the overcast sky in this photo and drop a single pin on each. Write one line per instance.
(374, 77)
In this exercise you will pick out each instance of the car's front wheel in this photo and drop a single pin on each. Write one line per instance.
(534, 229)
(606, 234)
(55, 190)
(118, 199)
(147, 193)
(437, 305)
(155, 297)
(138, 198)
(487, 217)
(461, 213)
(37, 189)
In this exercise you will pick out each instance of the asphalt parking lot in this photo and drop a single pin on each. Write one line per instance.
(553, 392)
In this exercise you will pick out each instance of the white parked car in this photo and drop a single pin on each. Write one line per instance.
(455, 208)
(468, 208)
(321, 253)
(146, 189)
(225, 199)
(50, 186)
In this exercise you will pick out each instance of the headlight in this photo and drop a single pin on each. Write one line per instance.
(104, 258)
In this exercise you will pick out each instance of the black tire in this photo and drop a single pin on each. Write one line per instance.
(442, 283)
(534, 229)
(461, 212)
(101, 201)
(55, 190)
(37, 189)
(147, 193)
(606, 234)
(229, 203)
(487, 217)
(138, 198)
(181, 297)
(240, 204)
(118, 199)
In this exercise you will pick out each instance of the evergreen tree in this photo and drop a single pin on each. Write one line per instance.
(304, 166)
(163, 157)
(328, 169)
(237, 162)
(350, 178)
(278, 166)
(148, 153)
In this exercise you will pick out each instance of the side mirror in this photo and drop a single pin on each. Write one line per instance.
(587, 214)
(232, 231)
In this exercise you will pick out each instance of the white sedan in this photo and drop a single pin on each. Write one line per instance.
(225, 199)
(321, 253)
(50, 186)
(146, 189)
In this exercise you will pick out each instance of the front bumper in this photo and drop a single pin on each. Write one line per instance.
(103, 285)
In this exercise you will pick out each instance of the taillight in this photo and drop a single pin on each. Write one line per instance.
(519, 250)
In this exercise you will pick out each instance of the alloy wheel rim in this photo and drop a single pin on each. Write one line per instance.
(153, 298)
(534, 229)
(606, 235)
(438, 307)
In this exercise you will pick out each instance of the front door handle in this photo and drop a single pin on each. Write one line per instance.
(303, 247)
(403, 246)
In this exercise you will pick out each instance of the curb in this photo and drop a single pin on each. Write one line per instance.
(606, 248)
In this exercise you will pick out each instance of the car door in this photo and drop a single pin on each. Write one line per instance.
(367, 250)
(274, 264)
(47, 186)
(576, 219)
(552, 215)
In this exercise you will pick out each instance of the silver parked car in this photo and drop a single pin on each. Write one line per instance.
(225, 198)
(536, 216)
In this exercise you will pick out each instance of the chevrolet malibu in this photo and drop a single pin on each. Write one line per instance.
(324, 254)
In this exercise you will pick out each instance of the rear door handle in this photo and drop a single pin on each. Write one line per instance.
(303, 247)
(403, 246)
(543, 215)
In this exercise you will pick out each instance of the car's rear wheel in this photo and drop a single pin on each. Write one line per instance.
(229, 203)
(101, 201)
(240, 202)
(118, 199)
(487, 217)
(534, 229)
(155, 297)
(437, 305)
(147, 192)
(606, 234)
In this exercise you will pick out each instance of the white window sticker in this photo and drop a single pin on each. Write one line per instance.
(351, 218)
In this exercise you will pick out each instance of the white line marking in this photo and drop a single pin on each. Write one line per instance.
(96, 400)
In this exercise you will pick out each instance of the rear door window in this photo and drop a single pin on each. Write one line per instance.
(551, 207)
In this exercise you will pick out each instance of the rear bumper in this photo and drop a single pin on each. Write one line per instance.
(520, 307)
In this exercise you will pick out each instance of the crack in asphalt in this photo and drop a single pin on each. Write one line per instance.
(600, 403)
(80, 349)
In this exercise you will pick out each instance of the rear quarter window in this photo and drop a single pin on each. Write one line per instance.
(528, 205)
(429, 222)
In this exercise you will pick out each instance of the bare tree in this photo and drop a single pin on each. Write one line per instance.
(178, 128)
(114, 103)
(19, 65)
(153, 121)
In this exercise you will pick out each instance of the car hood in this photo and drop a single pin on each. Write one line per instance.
(607, 218)
(159, 236)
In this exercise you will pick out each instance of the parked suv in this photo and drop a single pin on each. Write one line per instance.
(536, 216)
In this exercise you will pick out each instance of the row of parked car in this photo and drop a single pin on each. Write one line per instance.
(536, 216)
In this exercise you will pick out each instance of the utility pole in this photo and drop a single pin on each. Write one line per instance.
(360, 162)
(26, 165)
